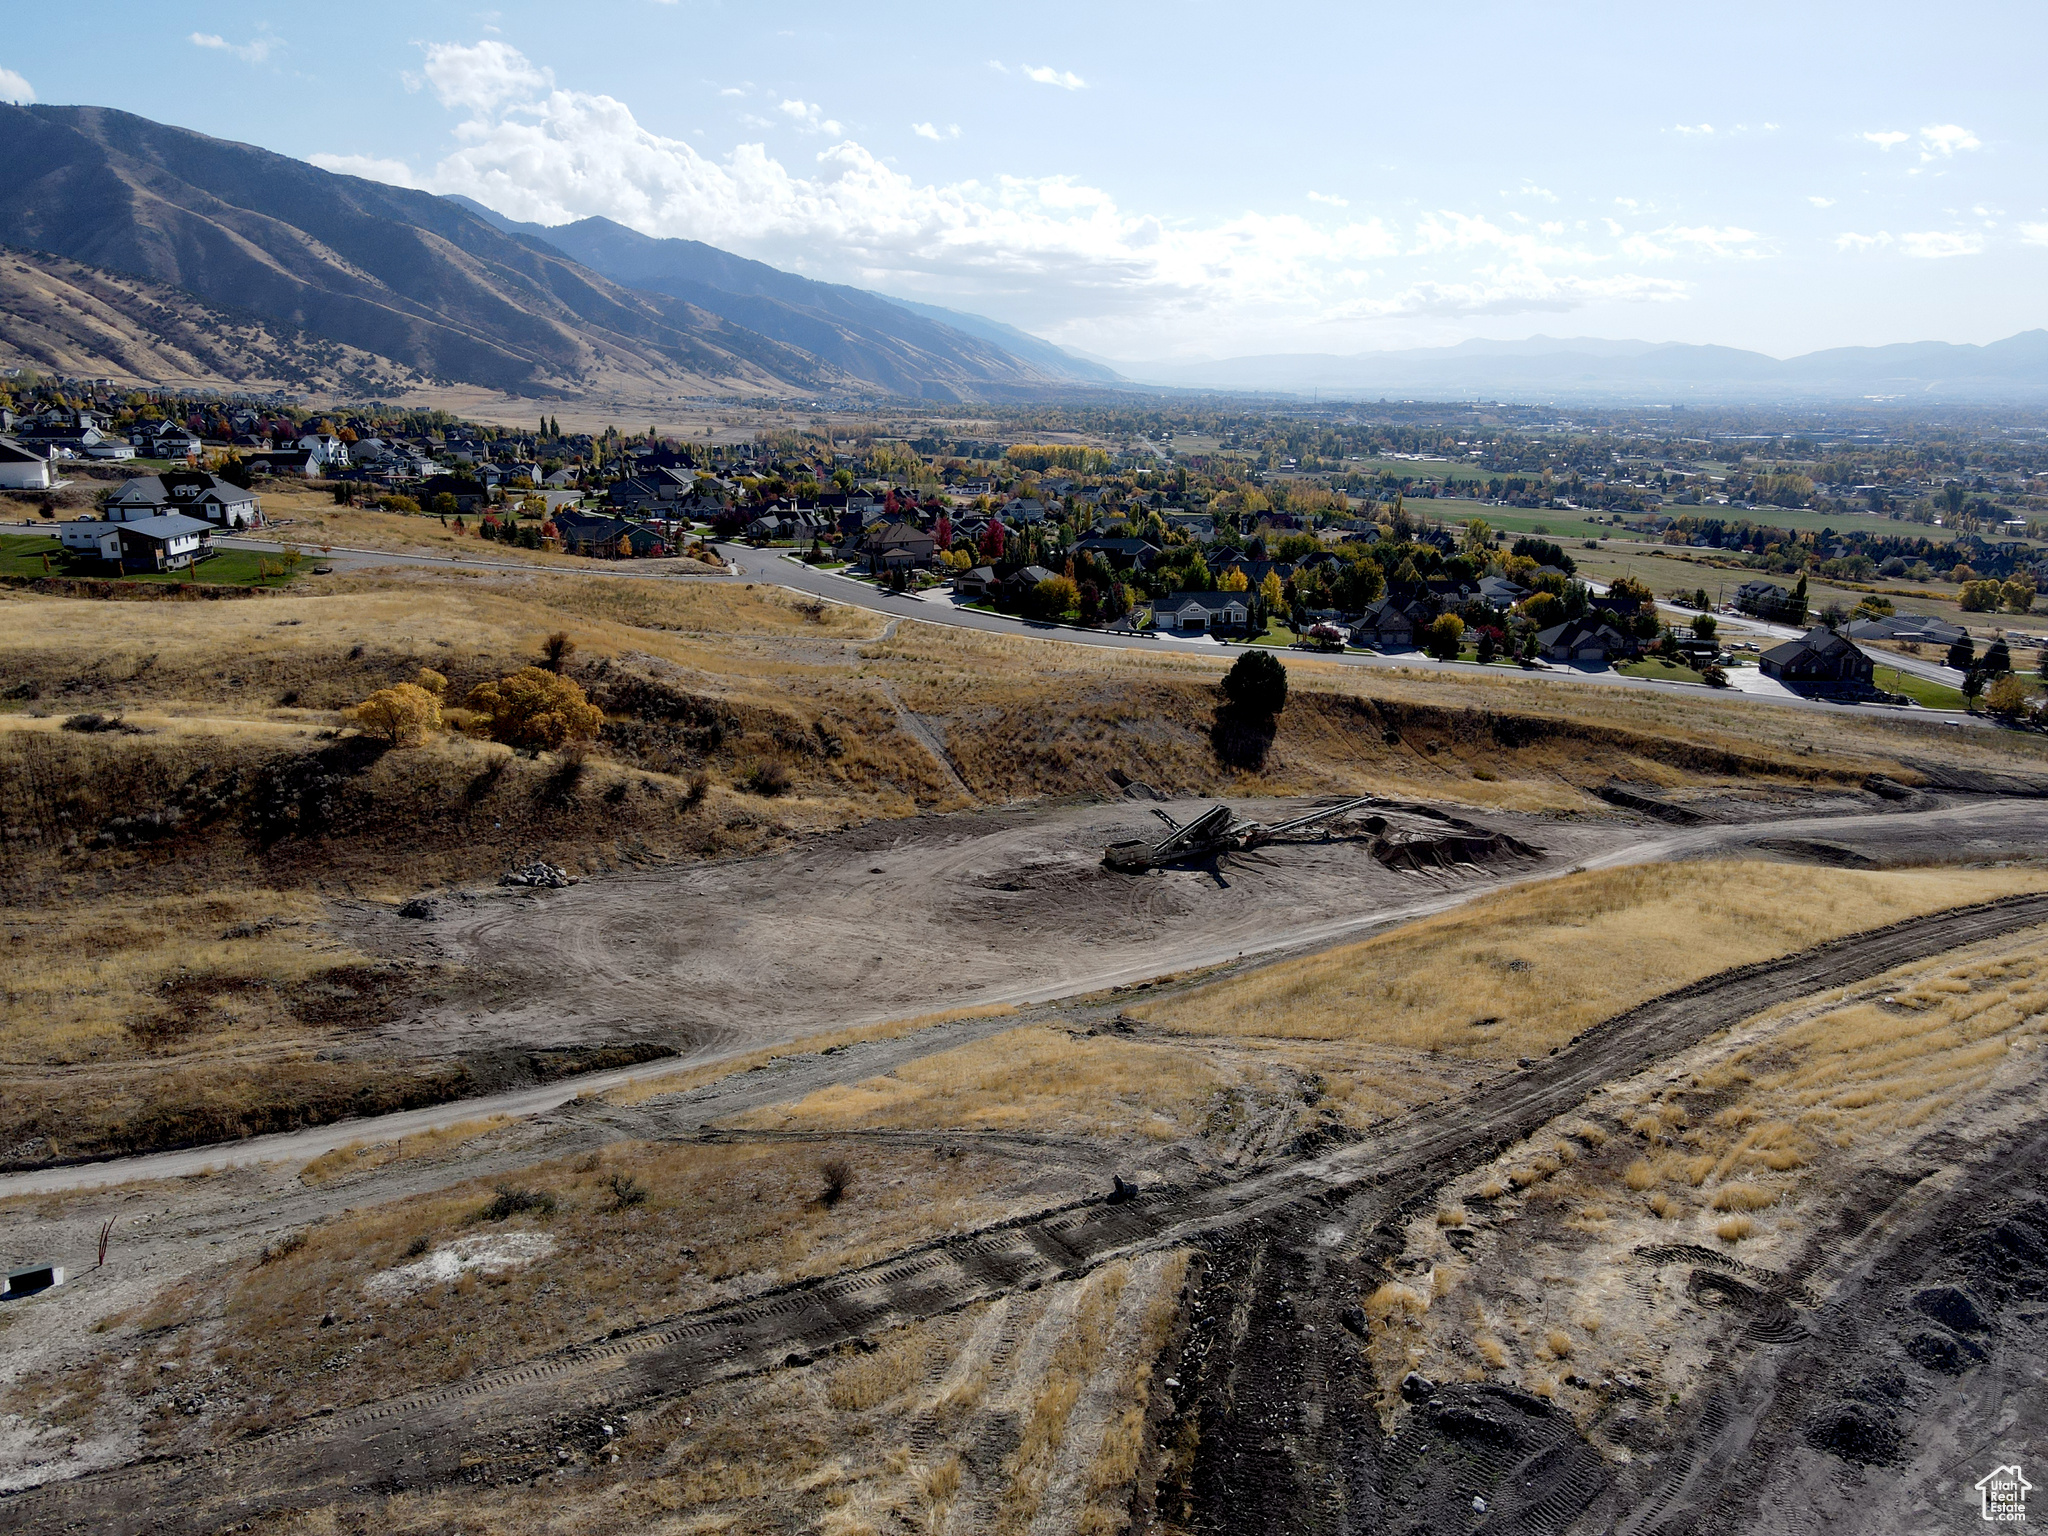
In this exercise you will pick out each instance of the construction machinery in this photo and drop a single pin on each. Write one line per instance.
(1409, 837)
(1216, 830)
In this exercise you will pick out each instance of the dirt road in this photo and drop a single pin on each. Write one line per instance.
(902, 918)
(1289, 1445)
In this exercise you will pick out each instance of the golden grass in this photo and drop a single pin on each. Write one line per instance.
(364, 1157)
(1037, 1077)
(1733, 1229)
(112, 978)
(1074, 1361)
(867, 1381)
(641, 1090)
(1555, 958)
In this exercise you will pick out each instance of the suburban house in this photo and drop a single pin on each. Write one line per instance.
(1194, 613)
(977, 582)
(1917, 628)
(1388, 624)
(327, 450)
(111, 449)
(1819, 656)
(1124, 554)
(1498, 592)
(1586, 642)
(168, 541)
(193, 492)
(606, 537)
(1023, 579)
(897, 546)
(1764, 600)
(468, 493)
(22, 469)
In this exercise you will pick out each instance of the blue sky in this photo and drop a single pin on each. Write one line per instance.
(1152, 182)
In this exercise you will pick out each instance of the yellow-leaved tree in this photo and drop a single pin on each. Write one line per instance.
(536, 708)
(1234, 580)
(1272, 593)
(404, 714)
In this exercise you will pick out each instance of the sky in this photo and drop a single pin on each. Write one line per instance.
(1153, 182)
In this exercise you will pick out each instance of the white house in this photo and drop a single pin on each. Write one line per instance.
(91, 536)
(193, 492)
(169, 542)
(1193, 613)
(112, 448)
(326, 449)
(22, 469)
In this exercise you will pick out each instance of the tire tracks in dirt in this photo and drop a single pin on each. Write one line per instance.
(1322, 1212)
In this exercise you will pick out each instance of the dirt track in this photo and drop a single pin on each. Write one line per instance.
(1288, 1443)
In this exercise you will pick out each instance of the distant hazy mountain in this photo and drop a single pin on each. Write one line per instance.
(907, 349)
(1594, 369)
(396, 274)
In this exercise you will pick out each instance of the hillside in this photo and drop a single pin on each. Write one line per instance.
(907, 349)
(65, 317)
(395, 273)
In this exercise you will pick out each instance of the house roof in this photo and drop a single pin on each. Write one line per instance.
(1209, 602)
(12, 452)
(1030, 576)
(1817, 641)
(1576, 632)
(165, 525)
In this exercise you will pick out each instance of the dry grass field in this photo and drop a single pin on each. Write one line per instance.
(1523, 971)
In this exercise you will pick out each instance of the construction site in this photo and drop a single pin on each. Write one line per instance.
(1470, 1120)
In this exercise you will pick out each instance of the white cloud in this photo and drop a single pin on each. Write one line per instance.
(1045, 74)
(392, 172)
(1331, 198)
(1822, 202)
(931, 131)
(731, 90)
(255, 51)
(1694, 129)
(1851, 241)
(810, 115)
(1729, 241)
(1936, 243)
(2034, 234)
(480, 79)
(1062, 253)
(1530, 189)
(1885, 140)
(1946, 140)
(15, 89)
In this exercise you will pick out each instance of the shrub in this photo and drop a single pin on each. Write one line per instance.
(1560, 1343)
(2007, 696)
(837, 1173)
(404, 714)
(535, 708)
(1733, 1229)
(556, 650)
(1257, 684)
(281, 1248)
(397, 504)
(626, 1190)
(769, 780)
(512, 1202)
(1981, 597)
(1639, 1175)
(1052, 599)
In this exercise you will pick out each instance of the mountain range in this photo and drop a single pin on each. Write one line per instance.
(1593, 369)
(401, 284)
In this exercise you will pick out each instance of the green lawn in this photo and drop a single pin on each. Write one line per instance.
(1660, 669)
(1278, 634)
(1919, 689)
(22, 555)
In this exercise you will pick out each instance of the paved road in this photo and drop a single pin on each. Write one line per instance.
(941, 608)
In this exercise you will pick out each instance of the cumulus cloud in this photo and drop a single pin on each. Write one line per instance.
(809, 115)
(1849, 240)
(1045, 74)
(255, 51)
(2034, 234)
(1329, 198)
(481, 78)
(1822, 202)
(931, 131)
(1695, 129)
(1887, 138)
(1061, 252)
(15, 89)
(1936, 243)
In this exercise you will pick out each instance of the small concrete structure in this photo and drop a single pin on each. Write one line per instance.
(26, 1282)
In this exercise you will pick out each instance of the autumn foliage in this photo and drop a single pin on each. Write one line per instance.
(535, 708)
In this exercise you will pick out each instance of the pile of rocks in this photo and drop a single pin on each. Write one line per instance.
(538, 873)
